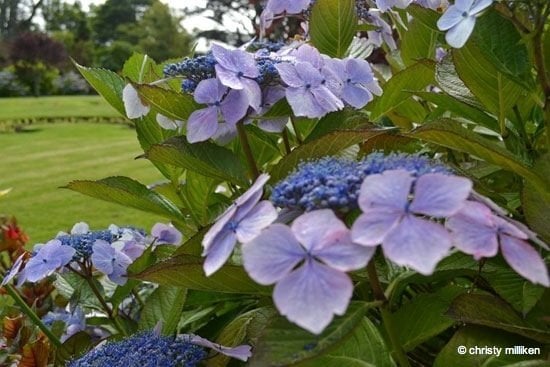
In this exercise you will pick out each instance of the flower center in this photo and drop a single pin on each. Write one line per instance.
(465, 14)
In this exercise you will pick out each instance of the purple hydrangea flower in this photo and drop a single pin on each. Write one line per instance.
(237, 70)
(110, 261)
(307, 262)
(133, 104)
(306, 90)
(274, 7)
(399, 224)
(459, 20)
(358, 83)
(50, 257)
(433, 4)
(271, 95)
(241, 352)
(74, 322)
(478, 232)
(222, 105)
(14, 270)
(241, 222)
(166, 234)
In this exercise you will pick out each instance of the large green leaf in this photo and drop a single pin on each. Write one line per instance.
(186, 271)
(501, 43)
(452, 135)
(141, 69)
(487, 310)
(536, 205)
(196, 193)
(415, 77)
(284, 344)
(168, 102)
(107, 83)
(424, 317)
(460, 108)
(206, 158)
(328, 144)
(332, 26)
(364, 348)
(426, 16)
(475, 336)
(339, 120)
(127, 192)
(165, 304)
(418, 43)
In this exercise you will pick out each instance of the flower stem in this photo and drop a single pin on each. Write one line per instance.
(286, 141)
(397, 350)
(247, 151)
(298, 137)
(32, 315)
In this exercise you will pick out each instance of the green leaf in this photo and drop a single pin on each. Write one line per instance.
(196, 194)
(107, 83)
(127, 192)
(206, 158)
(450, 134)
(332, 26)
(418, 42)
(472, 336)
(415, 77)
(494, 89)
(168, 102)
(339, 120)
(364, 348)
(460, 108)
(263, 145)
(486, 310)
(73, 347)
(536, 205)
(193, 245)
(501, 43)
(329, 144)
(427, 17)
(424, 317)
(141, 69)
(165, 304)
(238, 331)
(450, 83)
(186, 271)
(284, 344)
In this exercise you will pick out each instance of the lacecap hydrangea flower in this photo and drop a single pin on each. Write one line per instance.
(74, 321)
(307, 262)
(459, 20)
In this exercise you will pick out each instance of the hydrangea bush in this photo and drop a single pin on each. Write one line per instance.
(373, 190)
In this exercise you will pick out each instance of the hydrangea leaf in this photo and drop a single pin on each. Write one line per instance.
(73, 346)
(488, 310)
(141, 68)
(449, 81)
(418, 42)
(284, 344)
(415, 77)
(164, 305)
(169, 103)
(187, 271)
(107, 83)
(451, 134)
(430, 308)
(536, 206)
(332, 26)
(127, 192)
(206, 158)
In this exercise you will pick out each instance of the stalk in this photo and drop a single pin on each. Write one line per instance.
(253, 169)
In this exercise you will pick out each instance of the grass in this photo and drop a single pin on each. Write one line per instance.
(55, 106)
(37, 162)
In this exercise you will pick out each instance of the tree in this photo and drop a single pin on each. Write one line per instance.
(35, 56)
(110, 16)
(16, 16)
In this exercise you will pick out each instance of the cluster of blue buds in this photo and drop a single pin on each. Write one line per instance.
(193, 70)
(144, 350)
(335, 182)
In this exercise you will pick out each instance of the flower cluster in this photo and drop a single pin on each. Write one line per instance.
(335, 182)
(149, 349)
(109, 251)
(74, 321)
(411, 206)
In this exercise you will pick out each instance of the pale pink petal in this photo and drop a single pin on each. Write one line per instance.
(371, 227)
(525, 260)
(390, 189)
(261, 216)
(508, 228)
(418, 244)
(272, 255)
(440, 195)
(311, 295)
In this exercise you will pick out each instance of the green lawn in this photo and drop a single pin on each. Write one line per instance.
(55, 106)
(36, 163)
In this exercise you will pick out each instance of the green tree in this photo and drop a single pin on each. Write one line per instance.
(17, 16)
(108, 18)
